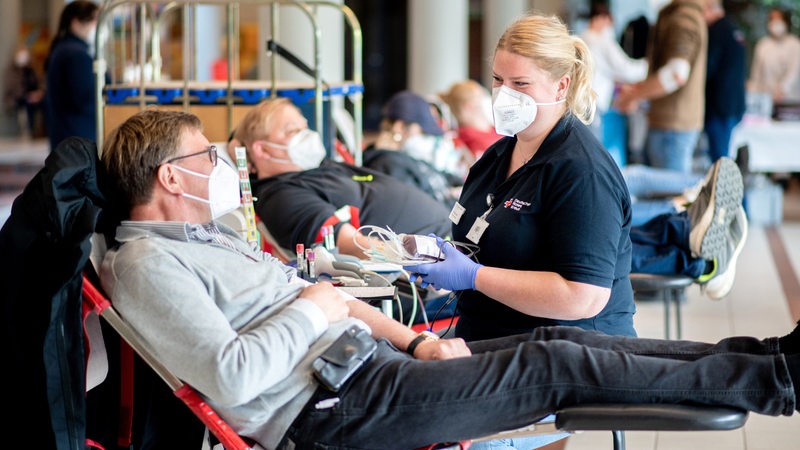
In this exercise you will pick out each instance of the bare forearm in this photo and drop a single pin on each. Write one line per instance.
(649, 88)
(346, 241)
(542, 294)
(382, 326)
(631, 95)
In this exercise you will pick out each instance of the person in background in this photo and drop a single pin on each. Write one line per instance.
(24, 92)
(413, 125)
(244, 330)
(775, 70)
(654, 191)
(471, 106)
(298, 190)
(634, 42)
(634, 37)
(433, 145)
(612, 65)
(70, 105)
(725, 79)
(674, 86)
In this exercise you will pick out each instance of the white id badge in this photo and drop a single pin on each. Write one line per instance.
(477, 229)
(456, 213)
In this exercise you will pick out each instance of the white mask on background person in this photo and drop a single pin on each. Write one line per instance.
(22, 58)
(223, 189)
(776, 28)
(305, 149)
(438, 151)
(514, 111)
(422, 147)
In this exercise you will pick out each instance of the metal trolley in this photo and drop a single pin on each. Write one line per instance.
(129, 35)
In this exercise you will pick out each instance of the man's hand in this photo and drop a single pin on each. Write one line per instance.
(442, 349)
(457, 272)
(627, 101)
(328, 299)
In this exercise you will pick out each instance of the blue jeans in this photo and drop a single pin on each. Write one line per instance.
(645, 181)
(670, 149)
(396, 401)
(661, 246)
(718, 131)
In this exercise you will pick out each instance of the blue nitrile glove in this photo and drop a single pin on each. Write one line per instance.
(457, 272)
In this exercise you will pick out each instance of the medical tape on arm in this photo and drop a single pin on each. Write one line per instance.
(674, 74)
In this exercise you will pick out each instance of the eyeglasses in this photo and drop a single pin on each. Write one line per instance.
(212, 155)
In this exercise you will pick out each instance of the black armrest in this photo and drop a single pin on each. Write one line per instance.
(661, 417)
(646, 282)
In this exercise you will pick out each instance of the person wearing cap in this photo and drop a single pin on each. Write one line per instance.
(299, 192)
(410, 143)
(410, 124)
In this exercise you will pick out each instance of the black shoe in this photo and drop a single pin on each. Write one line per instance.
(790, 344)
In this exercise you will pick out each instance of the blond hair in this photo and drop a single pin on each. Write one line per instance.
(546, 40)
(460, 94)
(257, 123)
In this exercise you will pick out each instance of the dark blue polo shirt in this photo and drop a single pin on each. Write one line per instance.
(568, 211)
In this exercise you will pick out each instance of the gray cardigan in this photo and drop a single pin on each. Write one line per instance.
(226, 321)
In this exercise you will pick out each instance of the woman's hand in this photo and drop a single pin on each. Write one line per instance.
(457, 272)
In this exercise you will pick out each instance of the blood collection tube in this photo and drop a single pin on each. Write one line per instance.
(325, 240)
(311, 271)
(331, 237)
(301, 265)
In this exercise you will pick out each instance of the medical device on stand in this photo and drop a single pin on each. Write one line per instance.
(247, 196)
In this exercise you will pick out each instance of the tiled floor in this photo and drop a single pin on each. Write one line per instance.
(758, 305)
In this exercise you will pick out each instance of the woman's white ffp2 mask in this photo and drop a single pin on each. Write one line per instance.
(514, 111)
(223, 189)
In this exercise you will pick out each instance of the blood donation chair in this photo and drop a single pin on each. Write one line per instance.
(578, 418)
(46, 246)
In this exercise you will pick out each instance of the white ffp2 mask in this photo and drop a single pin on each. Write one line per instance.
(305, 149)
(223, 189)
(514, 111)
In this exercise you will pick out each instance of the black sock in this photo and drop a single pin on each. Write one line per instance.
(790, 344)
(709, 267)
(793, 362)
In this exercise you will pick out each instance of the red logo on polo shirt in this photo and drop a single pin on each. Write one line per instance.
(515, 204)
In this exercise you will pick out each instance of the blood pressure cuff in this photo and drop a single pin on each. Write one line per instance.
(344, 358)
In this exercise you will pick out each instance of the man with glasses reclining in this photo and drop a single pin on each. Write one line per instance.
(245, 332)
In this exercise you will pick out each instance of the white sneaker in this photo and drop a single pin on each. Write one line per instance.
(714, 208)
(722, 280)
